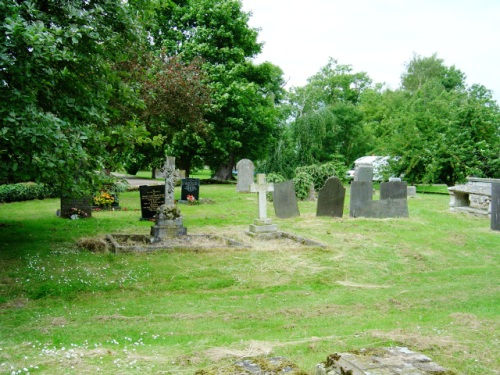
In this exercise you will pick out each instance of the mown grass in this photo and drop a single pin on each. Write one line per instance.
(429, 282)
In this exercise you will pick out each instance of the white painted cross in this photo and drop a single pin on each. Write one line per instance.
(261, 188)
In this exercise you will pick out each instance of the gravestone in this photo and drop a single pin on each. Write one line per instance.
(190, 186)
(361, 196)
(364, 172)
(495, 206)
(245, 170)
(262, 225)
(393, 200)
(285, 200)
(394, 190)
(152, 197)
(331, 198)
(74, 204)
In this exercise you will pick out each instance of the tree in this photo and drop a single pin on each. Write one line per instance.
(242, 115)
(442, 130)
(57, 79)
(325, 118)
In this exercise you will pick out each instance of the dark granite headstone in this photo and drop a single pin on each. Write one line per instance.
(495, 206)
(82, 204)
(361, 196)
(393, 190)
(285, 200)
(331, 198)
(151, 198)
(190, 186)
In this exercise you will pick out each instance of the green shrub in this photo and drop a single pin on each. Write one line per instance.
(25, 191)
(303, 182)
(318, 173)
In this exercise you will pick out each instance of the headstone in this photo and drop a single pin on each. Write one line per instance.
(361, 196)
(245, 170)
(411, 191)
(263, 224)
(364, 172)
(394, 190)
(152, 197)
(331, 198)
(190, 186)
(495, 206)
(71, 206)
(285, 200)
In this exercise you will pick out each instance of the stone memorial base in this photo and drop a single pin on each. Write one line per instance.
(262, 227)
(165, 229)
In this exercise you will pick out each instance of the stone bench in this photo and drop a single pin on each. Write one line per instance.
(473, 197)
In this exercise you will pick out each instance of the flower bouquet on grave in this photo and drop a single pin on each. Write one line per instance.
(75, 213)
(104, 200)
(192, 200)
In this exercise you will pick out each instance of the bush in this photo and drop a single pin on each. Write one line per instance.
(318, 173)
(25, 191)
(303, 182)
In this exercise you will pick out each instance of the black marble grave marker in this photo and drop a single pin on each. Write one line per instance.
(151, 198)
(190, 186)
(331, 198)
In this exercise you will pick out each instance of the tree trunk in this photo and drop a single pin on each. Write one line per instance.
(225, 171)
(185, 164)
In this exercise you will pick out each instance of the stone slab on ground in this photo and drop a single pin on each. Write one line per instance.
(384, 361)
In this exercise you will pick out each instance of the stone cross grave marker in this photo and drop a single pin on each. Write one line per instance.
(263, 224)
(168, 172)
(261, 188)
(245, 169)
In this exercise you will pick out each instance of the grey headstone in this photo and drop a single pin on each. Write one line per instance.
(411, 191)
(285, 200)
(364, 172)
(361, 195)
(393, 190)
(331, 198)
(495, 206)
(245, 169)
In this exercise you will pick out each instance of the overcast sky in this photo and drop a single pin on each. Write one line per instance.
(379, 36)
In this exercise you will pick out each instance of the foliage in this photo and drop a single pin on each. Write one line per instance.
(303, 182)
(324, 120)
(274, 178)
(242, 115)
(442, 132)
(25, 191)
(57, 79)
(319, 173)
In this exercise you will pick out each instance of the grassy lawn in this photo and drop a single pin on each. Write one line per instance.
(430, 282)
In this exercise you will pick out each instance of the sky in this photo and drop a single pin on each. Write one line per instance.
(379, 37)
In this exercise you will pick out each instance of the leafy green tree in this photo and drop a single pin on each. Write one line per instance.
(442, 130)
(326, 120)
(242, 116)
(57, 79)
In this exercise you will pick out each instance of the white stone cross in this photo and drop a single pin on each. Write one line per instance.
(261, 188)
